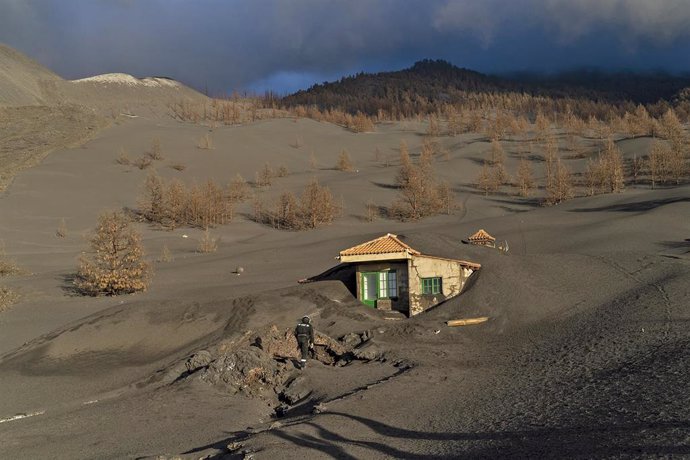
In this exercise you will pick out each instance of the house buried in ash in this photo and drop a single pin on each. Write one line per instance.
(387, 274)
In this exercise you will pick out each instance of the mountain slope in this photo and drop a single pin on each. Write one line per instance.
(428, 84)
(40, 111)
(408, 89)
(23, 81)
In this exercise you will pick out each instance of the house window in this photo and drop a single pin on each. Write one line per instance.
(388, 284)
(431, 285)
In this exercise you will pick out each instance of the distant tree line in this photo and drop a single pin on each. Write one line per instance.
(429, 85)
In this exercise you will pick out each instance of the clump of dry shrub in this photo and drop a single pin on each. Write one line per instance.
(359, 123)
(667, 163)
(313, 162)
(372, 211)
(7, 298)
(205, 142)
(420, 193)
(173, 204)
(264, 178)
(605, 174)
(239, 189)
(8, 266)
(525, 177)
(142, 163)
(208, 243)
(560, 187)
(434, 128)
(315, 207)
(116, 262)
(493, 173)
(226, 111)
(344, 162)
(156, 152)
(166, 255)
(123, 157)
(61, 230)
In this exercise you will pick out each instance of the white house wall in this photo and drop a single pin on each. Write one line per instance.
(453, 277)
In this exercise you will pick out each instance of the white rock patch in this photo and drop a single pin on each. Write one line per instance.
(129, 80)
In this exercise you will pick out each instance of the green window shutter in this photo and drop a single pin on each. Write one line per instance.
(431, 285)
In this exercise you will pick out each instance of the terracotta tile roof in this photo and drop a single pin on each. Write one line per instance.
(386, 244)
(481, 235)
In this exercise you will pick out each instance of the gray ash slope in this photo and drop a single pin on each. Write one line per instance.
(586, 354)
(25, 82)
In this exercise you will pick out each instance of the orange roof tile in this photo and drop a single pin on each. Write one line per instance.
(386, 244)
(481, 235)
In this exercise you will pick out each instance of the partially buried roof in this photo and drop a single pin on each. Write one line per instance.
(481, 235)
(389, 247)
(387, 244)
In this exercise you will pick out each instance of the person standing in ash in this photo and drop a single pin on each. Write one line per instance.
(305, 339)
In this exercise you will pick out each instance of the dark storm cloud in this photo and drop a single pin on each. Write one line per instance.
(226, 44)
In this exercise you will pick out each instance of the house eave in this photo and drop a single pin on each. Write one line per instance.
(375, 257)
(464, 263)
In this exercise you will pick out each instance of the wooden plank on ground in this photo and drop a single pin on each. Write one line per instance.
(467, 321)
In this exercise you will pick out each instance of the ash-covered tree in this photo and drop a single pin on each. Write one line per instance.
(287, 212)
(606, 173)
(420, 194)
(152, 201)
(671, 126)
(115, 264)
(498, 170)
(493, 173)
(344, 162)
(410, 181)
(560, 188)
(318, 207)
(434, 128)
(640, 123)
(550, 157)
(614, 178)
(238, 189)
(454, 120)
(542, 126)
(484, 180)
(525, 177)
(156, 152)
(315, 207)
(264, 178)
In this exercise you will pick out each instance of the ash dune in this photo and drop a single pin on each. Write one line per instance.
(585, 353)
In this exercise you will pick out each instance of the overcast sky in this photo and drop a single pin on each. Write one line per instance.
(289, 44)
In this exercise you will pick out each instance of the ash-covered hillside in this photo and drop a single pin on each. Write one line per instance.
(426, 85)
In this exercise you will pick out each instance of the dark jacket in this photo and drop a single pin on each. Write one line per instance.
(304, 331)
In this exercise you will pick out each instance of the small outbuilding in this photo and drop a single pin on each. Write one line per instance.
(481, 237)
(390, 275)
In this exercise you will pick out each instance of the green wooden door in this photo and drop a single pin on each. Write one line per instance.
(369, 285)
